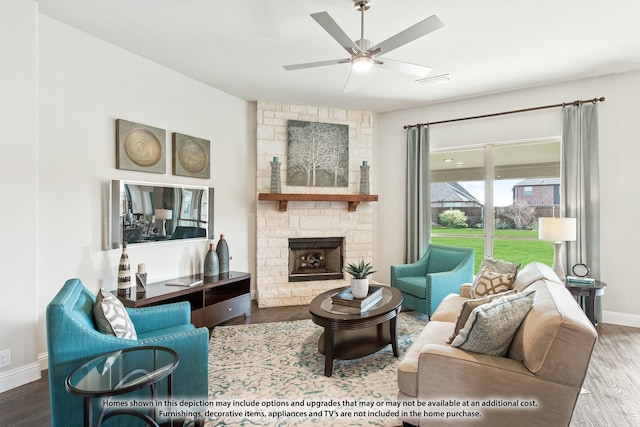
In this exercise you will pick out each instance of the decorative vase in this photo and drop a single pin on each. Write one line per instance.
(364, 178)
(211, 263)
(222, 250)
(276, 183)
(360, 287)
(124, 270)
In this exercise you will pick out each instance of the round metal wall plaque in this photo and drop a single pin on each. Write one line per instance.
(192, 156)
(142, 147)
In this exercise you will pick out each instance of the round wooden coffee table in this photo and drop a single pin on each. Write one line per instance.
(351, 334)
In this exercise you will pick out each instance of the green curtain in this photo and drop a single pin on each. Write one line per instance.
(418, 197)
(581, 187)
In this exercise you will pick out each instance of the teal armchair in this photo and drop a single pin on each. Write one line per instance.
(72, 339)
(440, 271)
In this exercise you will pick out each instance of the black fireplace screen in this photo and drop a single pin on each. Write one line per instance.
(317, 258)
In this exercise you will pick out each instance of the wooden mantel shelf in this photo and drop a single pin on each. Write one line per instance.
(353, 200)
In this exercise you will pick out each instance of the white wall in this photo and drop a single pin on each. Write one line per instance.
(57, 181)
(18, 171)
(85, 85)
(619, 153)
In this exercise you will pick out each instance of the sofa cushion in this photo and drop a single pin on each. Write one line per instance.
(111, 316)
(467, 308)
(500, 266)
(434, 333)
(491, 327)
(488, 282)
(533, 272)
(555, 323)
(448, 308)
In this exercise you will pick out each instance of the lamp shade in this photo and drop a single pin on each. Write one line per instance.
(557, 229)
(164, 213)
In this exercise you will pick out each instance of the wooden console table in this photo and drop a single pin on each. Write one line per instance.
(217, 299)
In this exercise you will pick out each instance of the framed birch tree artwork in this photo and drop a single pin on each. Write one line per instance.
(317, 154)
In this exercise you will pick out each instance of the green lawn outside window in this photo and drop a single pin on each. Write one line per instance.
(522, 251)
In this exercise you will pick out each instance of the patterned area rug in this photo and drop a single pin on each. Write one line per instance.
(269, 373)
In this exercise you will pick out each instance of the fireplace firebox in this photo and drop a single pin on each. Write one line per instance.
(317, 258)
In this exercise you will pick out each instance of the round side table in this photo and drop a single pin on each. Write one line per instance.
(120, 372)
(588, 294)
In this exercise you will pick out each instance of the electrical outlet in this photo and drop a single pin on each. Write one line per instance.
(5, 358)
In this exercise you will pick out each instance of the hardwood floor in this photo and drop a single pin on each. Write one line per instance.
(613, 380)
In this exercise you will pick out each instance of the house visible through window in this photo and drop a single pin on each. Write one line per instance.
(490, 197)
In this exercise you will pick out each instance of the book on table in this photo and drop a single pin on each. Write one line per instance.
(584, 281)
(185, 283)
(345, 297)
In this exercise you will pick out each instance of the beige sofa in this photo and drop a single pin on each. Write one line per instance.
(545, 366)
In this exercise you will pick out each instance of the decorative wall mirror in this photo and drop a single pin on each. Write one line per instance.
(142, 212)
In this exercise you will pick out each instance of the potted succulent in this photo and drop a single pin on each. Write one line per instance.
(360, 280)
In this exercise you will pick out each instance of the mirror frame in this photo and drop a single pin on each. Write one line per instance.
(116, 214)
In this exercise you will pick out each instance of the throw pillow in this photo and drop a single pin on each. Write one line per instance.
(500, 266)
(467, 308)
(491, 327)
(488, 282)
(111, 316)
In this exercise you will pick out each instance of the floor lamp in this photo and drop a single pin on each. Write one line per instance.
(557, 230)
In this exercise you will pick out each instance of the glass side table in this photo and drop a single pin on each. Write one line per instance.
(121, 372)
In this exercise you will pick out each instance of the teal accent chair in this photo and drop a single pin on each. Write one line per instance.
(72, 339)
(439, 272)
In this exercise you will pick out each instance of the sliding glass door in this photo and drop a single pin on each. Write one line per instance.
(490, 197)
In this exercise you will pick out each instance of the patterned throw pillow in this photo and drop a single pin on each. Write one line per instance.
(491, 327)
(111, 316)
(488, 283)
(467, 308)
(500, 266)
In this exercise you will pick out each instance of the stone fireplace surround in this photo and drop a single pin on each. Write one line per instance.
(307, 219)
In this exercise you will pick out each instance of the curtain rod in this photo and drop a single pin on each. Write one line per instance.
(564, 104)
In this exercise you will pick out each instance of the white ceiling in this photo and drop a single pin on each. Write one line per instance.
(239, 46)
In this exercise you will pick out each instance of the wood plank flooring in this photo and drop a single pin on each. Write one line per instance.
(613, 380)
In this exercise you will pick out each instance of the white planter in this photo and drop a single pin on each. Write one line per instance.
(359, 287)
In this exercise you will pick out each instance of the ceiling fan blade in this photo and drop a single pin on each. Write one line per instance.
(331, 27)
(315, 64)
(412, 33)
(353, 82)
(405, 67)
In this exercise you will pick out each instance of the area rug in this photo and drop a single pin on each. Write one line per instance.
(271, 374)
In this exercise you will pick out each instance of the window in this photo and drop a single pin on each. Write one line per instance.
(490, 198)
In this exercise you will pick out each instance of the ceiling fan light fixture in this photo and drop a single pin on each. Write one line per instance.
(361, 63)
(435, 80)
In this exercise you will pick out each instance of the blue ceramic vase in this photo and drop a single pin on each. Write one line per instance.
(222, 250)
(211, 263)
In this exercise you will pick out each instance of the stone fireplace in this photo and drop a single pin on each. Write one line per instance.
(308, 219)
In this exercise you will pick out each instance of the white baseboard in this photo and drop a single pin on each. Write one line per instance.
(20, 376)
(43, 361)
(622, 319)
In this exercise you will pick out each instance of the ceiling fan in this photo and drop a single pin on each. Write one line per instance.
(363, 55)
